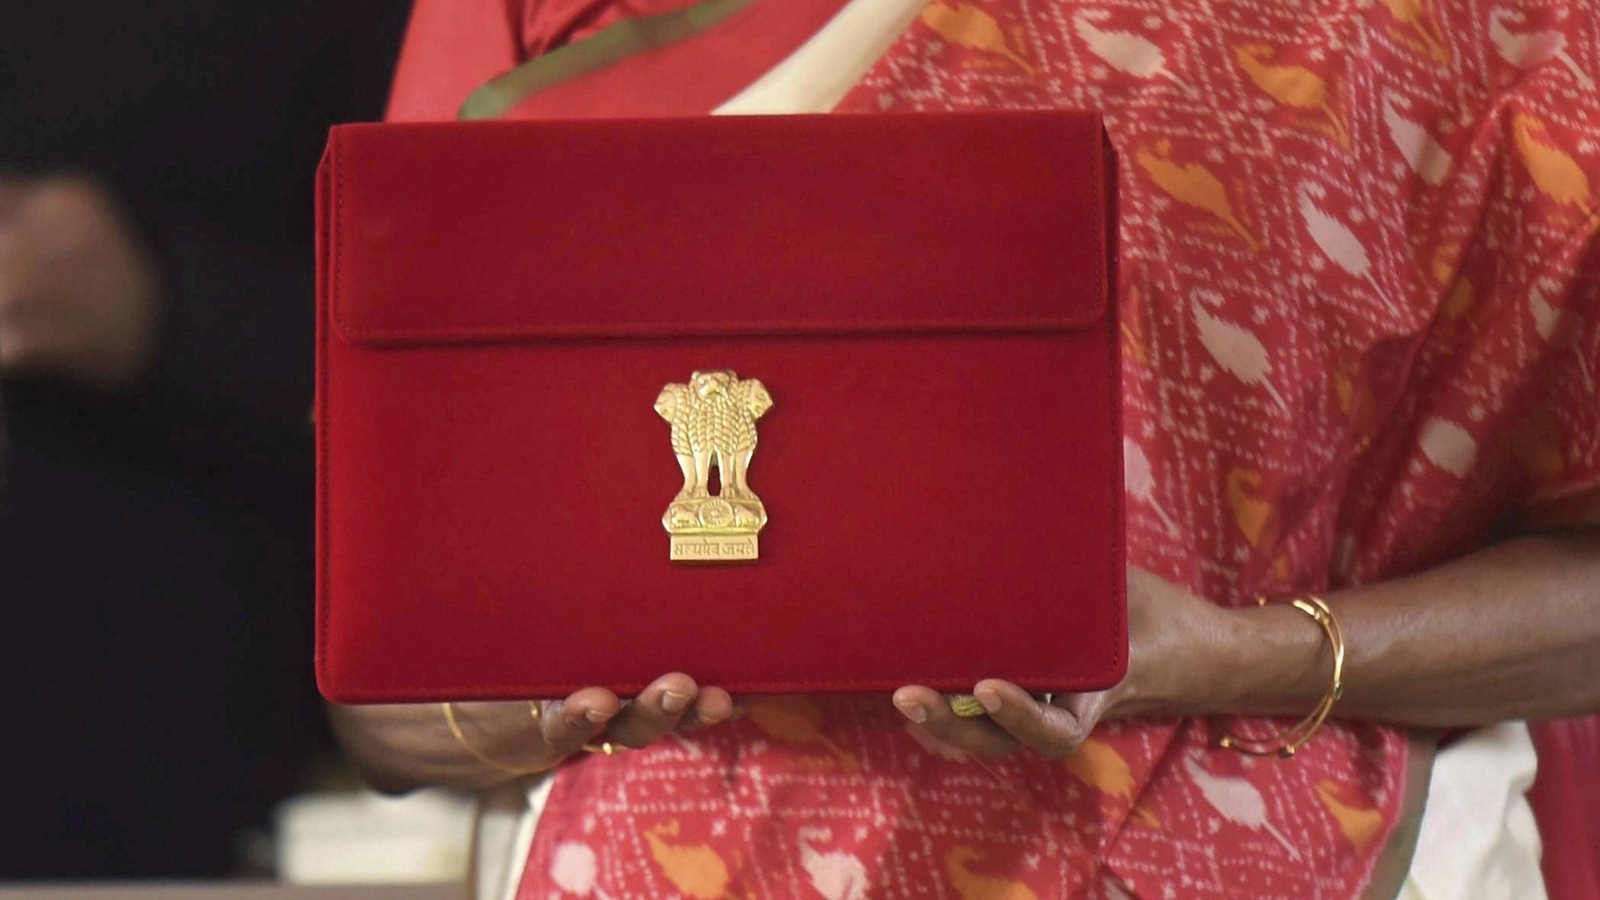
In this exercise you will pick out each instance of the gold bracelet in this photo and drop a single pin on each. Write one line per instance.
(1287, 741)
(461, 738)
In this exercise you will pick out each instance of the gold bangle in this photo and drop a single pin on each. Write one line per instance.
(604, 747)
(461, 738)
(1287, 741)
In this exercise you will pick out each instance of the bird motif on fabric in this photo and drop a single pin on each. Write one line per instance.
(695, 869)
(1420, 27)
(1099, 765)
(835, 874)
(1358, 822)
(1192, 184)
(1531, 48)
(1294, 86)
(1555, 172)
(969, 26)
(796, 720)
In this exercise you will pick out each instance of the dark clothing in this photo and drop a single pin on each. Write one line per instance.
(155, 547)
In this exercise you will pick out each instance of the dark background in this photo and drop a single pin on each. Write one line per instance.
(155, 541)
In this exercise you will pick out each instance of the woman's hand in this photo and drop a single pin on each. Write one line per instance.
(401, 747)
(1185, 657)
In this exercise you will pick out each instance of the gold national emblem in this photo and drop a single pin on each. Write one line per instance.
(713, 420)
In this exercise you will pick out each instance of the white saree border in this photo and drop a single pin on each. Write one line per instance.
(815, 77)
(1478, 839)
(503, 835)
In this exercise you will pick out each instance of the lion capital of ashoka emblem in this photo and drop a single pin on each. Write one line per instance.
(713, 419)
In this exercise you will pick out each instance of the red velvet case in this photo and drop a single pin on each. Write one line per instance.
(927, 299)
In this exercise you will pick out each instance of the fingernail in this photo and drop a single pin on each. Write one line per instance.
(913, 711)
(597, 716)
(673, 702)
(989, 700)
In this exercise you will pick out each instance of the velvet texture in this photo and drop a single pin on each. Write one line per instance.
(501, 302)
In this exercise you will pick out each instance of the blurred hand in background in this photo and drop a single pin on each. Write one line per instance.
(78, 291)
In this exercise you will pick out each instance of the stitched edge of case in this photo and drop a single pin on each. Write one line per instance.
(333, 257)
(1113, 314)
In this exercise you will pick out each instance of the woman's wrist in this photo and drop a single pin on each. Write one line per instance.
(507, 733)
(1280, 659)
(401, 747)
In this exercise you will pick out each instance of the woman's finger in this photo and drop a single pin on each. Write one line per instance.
(656, 711)
(569, 724)
(1046, 728)
(712, 707)
(929, 710)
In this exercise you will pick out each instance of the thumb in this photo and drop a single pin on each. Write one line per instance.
(1084, 712)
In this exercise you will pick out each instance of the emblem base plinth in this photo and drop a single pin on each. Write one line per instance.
(715, 548)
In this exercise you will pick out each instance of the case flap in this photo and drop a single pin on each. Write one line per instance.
(700, 227)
